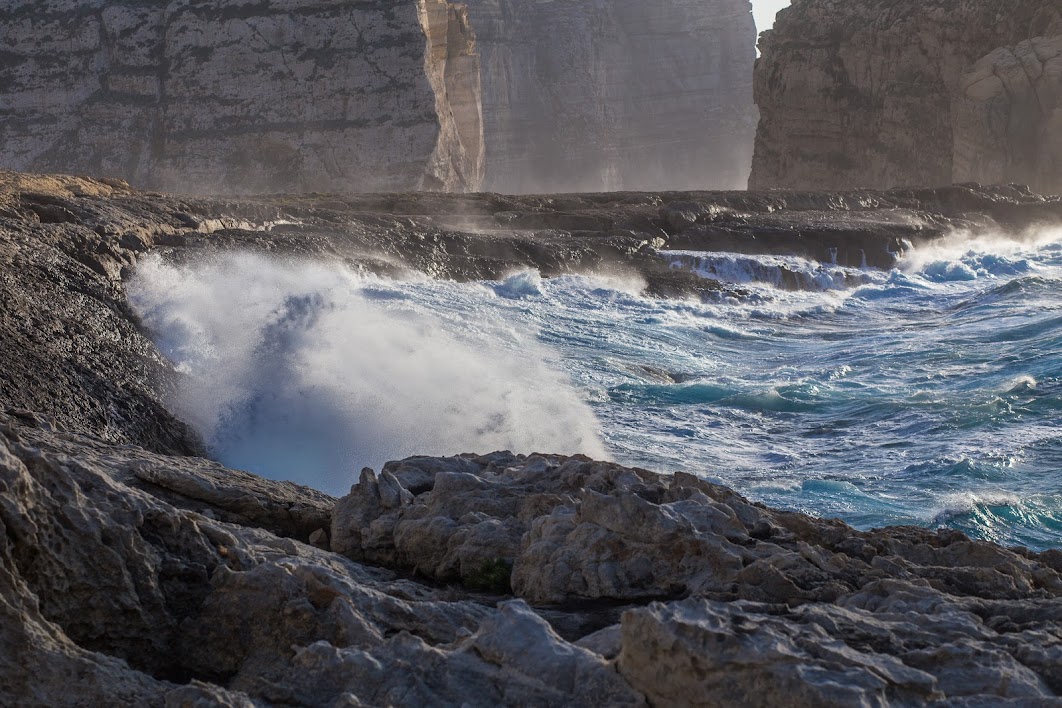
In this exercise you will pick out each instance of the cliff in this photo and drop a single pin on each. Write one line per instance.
(211, 97)
(884, 94)
(583, 95)
(1008, 117)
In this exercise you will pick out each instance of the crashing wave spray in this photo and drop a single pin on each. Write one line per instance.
(306, 371)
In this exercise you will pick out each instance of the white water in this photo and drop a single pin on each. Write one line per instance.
(309, 372)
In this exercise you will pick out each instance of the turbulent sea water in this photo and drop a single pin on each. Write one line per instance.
(930, 394)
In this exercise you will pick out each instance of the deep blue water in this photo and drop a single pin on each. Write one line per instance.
(929, 395)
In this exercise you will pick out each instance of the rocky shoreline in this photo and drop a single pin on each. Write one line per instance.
(146, 579)
(135, 571)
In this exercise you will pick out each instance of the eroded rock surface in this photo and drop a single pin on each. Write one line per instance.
(114, 595)
(866, 94)
(244, 97)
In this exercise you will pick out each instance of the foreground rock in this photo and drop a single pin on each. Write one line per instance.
(135, 578)
(256, 97)
(883, 94)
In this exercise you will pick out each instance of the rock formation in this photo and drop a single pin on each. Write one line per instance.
(130, 577)
(595, 96)
(243, 97)
(879, 95)
(1008, 117)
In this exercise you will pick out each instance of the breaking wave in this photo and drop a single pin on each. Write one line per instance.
(930, 394)
(306, 371)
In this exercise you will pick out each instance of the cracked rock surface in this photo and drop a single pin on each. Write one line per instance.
(117, 589)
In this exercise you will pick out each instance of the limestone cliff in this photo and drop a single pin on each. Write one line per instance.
(1008, 117)
(878, 94)
(274, 95)
(586, 95)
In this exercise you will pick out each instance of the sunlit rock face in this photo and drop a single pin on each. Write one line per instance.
(266, 96)
(587, 95)
(890, 93)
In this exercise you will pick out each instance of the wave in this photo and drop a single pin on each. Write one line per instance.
(307, 371)
(1033, 521)
(782, 272)
(966, 255)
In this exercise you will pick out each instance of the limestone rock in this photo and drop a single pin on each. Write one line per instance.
(1008, 117)
(596, 96)
(251, 97)
(702, 653)
(572, 528)
(864, 94)
(114, 588)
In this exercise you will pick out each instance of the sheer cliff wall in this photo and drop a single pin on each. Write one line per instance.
(909, 92)
(589, 95)
(207, 96)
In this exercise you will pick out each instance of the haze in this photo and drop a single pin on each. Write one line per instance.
(764, 12)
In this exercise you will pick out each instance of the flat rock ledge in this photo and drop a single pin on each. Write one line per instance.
(135, 578)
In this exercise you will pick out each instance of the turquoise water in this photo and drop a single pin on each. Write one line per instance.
(928, 395)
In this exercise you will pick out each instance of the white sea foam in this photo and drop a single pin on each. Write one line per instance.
(969, 255)
(306, 371)
(786, 272)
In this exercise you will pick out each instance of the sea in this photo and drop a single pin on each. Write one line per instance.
(929, 394)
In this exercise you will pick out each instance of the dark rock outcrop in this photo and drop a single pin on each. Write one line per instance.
(877, 95)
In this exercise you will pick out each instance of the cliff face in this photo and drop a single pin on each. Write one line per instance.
(1008, 117)
(278, 95)
(876, 94)
(587, 95)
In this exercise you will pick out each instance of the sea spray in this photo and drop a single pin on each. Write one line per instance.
(306, 371)
(879, 403)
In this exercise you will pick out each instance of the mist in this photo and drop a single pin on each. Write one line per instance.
(306, 371)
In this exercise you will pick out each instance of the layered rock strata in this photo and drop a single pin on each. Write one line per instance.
(596, 96)
(243, 97)
(881, 95)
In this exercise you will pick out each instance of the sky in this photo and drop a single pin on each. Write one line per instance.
(764, 11)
